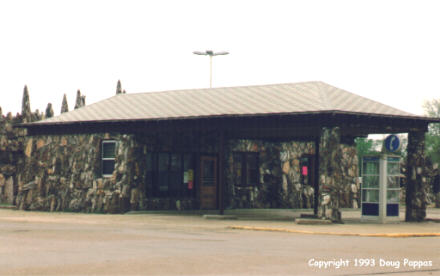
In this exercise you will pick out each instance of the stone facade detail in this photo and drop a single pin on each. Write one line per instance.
(63, 173)
(281, 184)
(12, 147)
(416, 184)
(338, 171)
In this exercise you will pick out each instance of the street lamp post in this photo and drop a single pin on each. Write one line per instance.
(210, 53)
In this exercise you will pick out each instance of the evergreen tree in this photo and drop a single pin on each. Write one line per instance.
(49, 111)
(432, 137)
(118, 88)
(26, 105)
(64, 105)
(80, 100)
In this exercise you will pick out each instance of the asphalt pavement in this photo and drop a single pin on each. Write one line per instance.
(184, 243)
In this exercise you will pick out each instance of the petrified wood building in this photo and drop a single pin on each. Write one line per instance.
(286, 145)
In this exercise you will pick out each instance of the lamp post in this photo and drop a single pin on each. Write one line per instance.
(210, 53)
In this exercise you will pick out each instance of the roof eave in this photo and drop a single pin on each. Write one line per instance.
(325, 112)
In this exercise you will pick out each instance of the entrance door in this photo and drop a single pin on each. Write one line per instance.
(208, 182)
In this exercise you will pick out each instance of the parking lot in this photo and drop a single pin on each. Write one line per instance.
(155, 243)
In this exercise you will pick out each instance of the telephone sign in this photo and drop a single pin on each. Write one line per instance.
(392, 143)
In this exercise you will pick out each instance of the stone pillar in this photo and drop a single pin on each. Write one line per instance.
(416, 185)
(9, 190)
(331, 186)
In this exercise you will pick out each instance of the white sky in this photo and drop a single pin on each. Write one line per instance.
(388, 51)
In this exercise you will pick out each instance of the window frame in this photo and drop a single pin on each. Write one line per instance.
(103, 142)
(244, 179)
(174, 190)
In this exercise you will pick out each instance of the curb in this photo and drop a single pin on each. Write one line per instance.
(8, 207)
(385, 235)
(312, 221)
(220, 217)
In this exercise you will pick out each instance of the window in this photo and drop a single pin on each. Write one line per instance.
(170, 174)
(245, 167)
(108, 153)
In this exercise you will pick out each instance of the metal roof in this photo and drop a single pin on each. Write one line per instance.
(290, 98)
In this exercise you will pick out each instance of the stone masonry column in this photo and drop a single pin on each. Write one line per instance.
(415, 175)
(331, 186)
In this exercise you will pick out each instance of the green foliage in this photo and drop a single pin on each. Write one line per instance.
(432, 140)
(432, 147)
(365, 146)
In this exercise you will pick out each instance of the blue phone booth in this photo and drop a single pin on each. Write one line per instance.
(380, 188)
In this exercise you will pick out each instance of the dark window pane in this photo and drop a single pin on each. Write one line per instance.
(251, 160)
(237, 156)
(208, 168)
(167, 173)
(208, 173)
(252, 169)
(149, 162)
(163, 181)
(176, 162)
(108, 166)
(392, 210)
(252, 177)
(149, 179)
(187, 161)
(108, 149)
(174, 182)
(370, 209)
(163, 162)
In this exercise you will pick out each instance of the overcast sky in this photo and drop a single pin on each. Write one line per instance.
(388, 51)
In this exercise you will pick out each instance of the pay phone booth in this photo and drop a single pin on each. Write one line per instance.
(381, 183)
(380, 188)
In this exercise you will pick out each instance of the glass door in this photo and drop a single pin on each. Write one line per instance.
(370, 186)
(393, 186)
(208, 182)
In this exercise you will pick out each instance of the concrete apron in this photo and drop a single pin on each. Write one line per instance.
(286, 221)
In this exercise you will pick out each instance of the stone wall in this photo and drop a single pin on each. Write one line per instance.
(416, 181)
(280, 184)
(63, 173)
(11, 153)
(338, 171)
